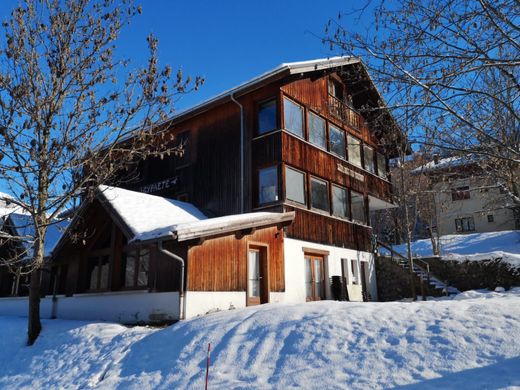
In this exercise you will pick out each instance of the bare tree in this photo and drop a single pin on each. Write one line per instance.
(455, 63)
(73, 114)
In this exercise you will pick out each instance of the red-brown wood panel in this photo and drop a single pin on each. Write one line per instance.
(220, 264)
(318, 228)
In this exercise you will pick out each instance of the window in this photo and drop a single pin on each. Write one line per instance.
(317, 134)
(465, 224)
(368, 154)
(381, 165)
(460, 193)
(98, 271)
(491, 218)
(336, 89)
(267, 116)
(136, 267)
(339, 202)
(293, 117)
(319, 194)
(337, 141)
(268, 185)
(314, 278)
(354, 271)
(294, 185)
(358, 207)
(354, 150)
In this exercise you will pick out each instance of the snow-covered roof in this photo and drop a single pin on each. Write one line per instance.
(149, 217)
(23, 226)
(445, 163)
(228, 223)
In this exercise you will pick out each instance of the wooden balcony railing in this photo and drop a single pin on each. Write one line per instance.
(346, 114)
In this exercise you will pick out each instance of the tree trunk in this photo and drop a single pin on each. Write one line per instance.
(34, 325)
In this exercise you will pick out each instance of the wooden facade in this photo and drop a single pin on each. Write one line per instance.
(209, 176)
(215, 263)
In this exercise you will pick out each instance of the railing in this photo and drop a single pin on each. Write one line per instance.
(345, 113)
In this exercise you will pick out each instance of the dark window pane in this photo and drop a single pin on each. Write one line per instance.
(144, 260)
(104, 273)
(93, 272)
(131, 258)
(339, 202)
(295, 185)
(337, 141)
(268, 185)
(293, 117)
(358, 207)
(317, 134)
(267, 116)
(319, 194)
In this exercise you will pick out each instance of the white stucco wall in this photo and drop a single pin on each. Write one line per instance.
(127, 307)
(295, 270)
(483, 201)
(19, 306)
(204, 302)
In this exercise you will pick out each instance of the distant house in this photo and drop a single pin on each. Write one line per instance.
(466, 201)
(16, 249)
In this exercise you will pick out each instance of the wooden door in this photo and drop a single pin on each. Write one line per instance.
(257, 276)
(314, 278)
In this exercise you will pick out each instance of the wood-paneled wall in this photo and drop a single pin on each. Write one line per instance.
(220, 264)
(309, 226)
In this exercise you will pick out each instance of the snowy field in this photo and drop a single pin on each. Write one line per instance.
(473, 247)
(468, 342)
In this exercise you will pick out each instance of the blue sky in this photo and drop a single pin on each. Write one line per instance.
(229, 42)
(226, 42)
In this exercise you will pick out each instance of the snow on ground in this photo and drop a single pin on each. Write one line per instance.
(473, 247)
(467, 342)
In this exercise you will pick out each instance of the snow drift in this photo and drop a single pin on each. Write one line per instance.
(470, 341)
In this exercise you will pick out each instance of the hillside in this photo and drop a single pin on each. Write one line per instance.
(457, 343)
(473, 247)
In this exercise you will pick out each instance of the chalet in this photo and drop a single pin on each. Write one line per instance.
(269, 202)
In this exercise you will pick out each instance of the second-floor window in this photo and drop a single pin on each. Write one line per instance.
(267, 116)
(354, 150)
(339, 202)
(358, 207)
(317, 134)
(268, 185)
(337, 141)
(319, 194)
(460, 193)
(293, 117)
(381, 166)
(368, 156)
(294, 185)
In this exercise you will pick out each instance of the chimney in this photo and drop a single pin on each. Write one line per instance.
(436, 158)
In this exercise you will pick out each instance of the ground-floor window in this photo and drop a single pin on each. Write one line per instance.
(136, 267)
(98, 272)
(314, 277)
(465, 224)
(354, 271)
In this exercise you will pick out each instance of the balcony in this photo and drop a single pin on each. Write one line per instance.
(342, 111)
